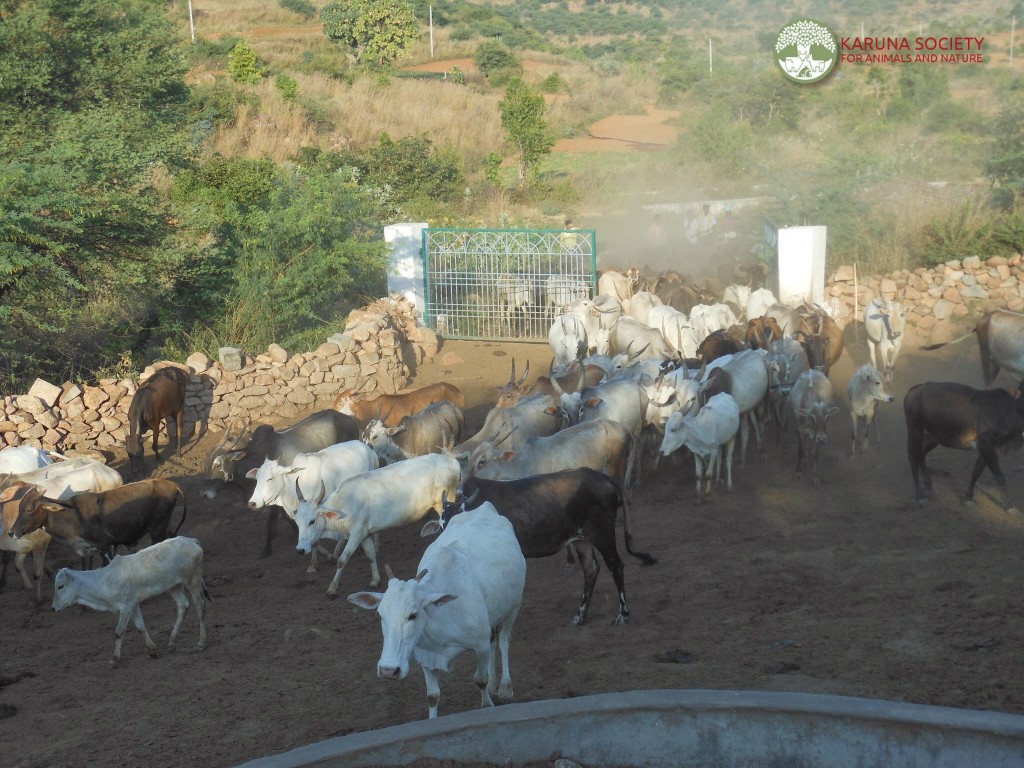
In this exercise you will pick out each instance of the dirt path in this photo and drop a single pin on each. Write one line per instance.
(850, 588)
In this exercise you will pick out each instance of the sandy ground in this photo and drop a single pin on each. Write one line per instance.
(850, 588)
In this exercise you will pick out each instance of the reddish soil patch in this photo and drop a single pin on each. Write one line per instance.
(625, 133)
(850, 588)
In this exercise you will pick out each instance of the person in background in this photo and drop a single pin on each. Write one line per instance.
(707, 220)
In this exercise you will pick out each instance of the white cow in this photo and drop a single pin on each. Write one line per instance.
(811, 401)
(884, 323)
(64, 479)
(706, 319)
(745, 377)
(618, 285)
(866, 390)
(737, 297)
(467, 591)
(567, 338)
(174, 565)
(677, 329)
(759, 303)
(25, 458)
(714, 426)
(326, 469)
(366, 504)
(641, 304)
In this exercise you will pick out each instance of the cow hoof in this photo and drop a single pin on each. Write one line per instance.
(310, 571)
(332, 595)
(1013, 511)
(114, 663)
(968, 502)
(620, 621)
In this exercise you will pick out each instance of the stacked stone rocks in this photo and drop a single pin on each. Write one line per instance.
(377, 352)
(940, 302)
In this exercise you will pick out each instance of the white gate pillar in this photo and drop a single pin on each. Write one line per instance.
(405, 263)
(802, 265)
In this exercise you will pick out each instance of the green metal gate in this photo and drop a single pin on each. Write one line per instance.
(504, 283)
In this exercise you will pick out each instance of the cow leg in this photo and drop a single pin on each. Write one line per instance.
(799, 452)
(433, 692)
(728, 462)
(355, 539)
(504, 638)
(987, 457)
(19, 563)
(370, 549)
(755, 415)
(591, 567)
(698, 470)
(181, 601)
(485, 662)
(744, 437)
(140, 625)
(270, 531)
(853, 435)
(817, 452)
(5, 558)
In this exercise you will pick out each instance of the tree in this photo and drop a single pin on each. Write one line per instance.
(522, 115)
(374, 31)
(1005, 165)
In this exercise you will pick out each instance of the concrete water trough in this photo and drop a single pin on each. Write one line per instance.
(682, 728)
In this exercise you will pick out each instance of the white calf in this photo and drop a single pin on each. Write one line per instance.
(811, 401)
(467, 591)
(174, 565)
(866, 389)
(714, 426)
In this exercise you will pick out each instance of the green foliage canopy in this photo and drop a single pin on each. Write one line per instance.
(522, 116)
(375, 32)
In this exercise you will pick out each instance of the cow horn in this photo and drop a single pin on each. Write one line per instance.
(506, 437)
(298, 492)
(388, 572)
(444, 498)
(554, 381)
(421, 574)
(512, 378)
(320, 495)
(634, 355)
(525, 374)
(471, 499)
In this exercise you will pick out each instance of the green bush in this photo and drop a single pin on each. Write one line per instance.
(287, 85)
(456, 75)
(965, 232)
(304, 8)
(1008, 233)
(553, 83)
(243, 64)
(492, 57)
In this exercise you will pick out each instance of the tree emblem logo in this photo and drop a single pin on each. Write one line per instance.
(806, 51)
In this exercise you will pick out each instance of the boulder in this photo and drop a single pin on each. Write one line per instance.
(45, 391)
(231, 358)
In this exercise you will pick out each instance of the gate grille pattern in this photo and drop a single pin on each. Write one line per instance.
(504, 283)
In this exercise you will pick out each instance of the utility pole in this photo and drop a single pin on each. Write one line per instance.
(711, 63)
(431, 30)
(192, 24)
(1013, 29)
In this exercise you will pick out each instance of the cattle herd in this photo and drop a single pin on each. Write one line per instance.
(641, 373)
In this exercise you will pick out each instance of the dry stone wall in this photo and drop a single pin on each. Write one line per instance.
(940, 302)
(379, 350)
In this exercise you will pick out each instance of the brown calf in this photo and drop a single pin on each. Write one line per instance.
(161, 397)
(391, 409)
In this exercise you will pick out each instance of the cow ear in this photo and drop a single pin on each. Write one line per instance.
(367, 600)
(593, 402)
(507, 455)
(553, 410)
(442, 599)
(430, 528)
(251, 474)
(833, 410)
(392, 431)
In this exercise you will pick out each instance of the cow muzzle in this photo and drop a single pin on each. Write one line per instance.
(389, 673)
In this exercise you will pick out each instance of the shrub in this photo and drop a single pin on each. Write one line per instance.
(243, 65)
(492, 57)
(958, 234)
(304, 8)
(287, 85)
(553, 83)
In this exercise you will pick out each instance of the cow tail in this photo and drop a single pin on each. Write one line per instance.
(632, 475)
(930, 347)
(184, 509)
(627, 528)
(206, 593)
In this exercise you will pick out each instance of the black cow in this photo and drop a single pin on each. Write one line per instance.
(547, 511)
(989, 421)
(162, 396)
(313, 433)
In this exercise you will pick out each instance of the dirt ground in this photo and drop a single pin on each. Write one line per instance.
(850, 588)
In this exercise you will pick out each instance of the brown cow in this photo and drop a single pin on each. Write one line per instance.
(762, 331)
(161, 397)
(821, 337)
(12, 501)
(718, 344)
(108, 519)
(512, 392)
(391, 409)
